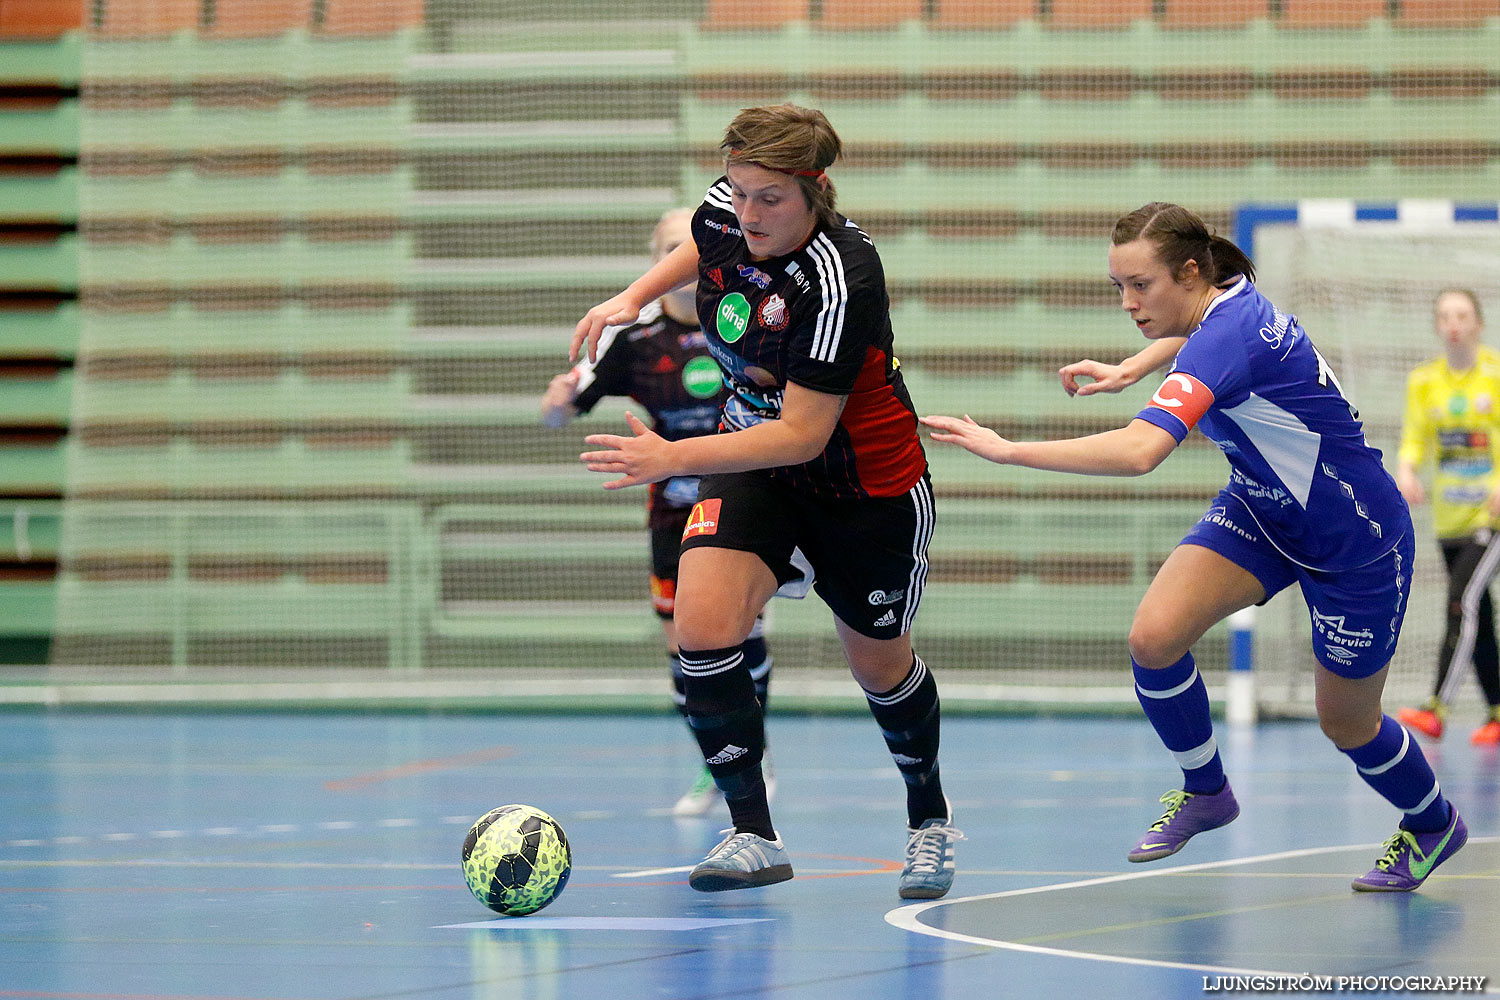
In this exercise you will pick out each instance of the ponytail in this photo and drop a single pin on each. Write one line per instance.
(1229, 260)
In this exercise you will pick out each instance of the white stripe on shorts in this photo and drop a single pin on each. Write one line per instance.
(921, 497)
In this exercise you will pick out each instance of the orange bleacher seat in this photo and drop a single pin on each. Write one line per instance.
(1446, 13)
(1225, 14)
(39, 18)
(1098, 13)
(257, 18)
(983, 13)
(745, 15)
(1330, 13)
(146, 18)
(862, 14)
(369, 17)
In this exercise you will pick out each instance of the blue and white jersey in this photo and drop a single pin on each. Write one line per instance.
(1251, 380)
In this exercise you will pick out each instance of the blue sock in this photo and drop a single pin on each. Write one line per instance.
(1395, 766)
(1176, 703)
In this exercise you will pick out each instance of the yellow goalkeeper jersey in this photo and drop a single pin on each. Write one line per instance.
(1452, 420)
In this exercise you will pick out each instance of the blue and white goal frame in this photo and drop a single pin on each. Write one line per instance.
(1346, 212)
(1343, 213)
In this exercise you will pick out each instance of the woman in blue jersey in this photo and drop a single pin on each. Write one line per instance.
(1308, 502)
(818, 478)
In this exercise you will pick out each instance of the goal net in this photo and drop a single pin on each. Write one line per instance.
(1364, 292)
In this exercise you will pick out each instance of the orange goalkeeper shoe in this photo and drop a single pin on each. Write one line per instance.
(1487, 735)
(1423, 720)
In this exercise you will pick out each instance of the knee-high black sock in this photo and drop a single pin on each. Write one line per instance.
(757, 657)
(727, 721)
(909, 715)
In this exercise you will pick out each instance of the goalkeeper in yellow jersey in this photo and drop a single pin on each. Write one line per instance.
(1452, 421)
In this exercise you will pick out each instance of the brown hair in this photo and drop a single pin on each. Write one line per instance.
(1180, 236)
(1473, 300)
(794, 140)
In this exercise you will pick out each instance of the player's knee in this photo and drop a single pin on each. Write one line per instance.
(1154, 646)
(698, 629)
(1345, 729)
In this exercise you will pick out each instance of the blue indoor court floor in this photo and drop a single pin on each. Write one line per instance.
(301, 856)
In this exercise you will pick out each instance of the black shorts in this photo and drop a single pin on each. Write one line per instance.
(866, 558)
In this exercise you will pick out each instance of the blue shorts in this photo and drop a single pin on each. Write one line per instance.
(1356, 613)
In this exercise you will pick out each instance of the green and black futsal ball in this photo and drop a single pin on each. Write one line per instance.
(516, 859)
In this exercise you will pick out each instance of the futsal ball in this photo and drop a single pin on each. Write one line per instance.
(516, 859)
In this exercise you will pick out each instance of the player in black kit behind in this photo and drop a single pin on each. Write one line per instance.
(662, 362)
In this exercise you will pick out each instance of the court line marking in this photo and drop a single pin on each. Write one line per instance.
(654, 871)
(454, 762)
(905, 917)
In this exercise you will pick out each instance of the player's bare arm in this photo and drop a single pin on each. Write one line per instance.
(673, 271)
(1113, 378)
(557, 402)
(807, 421)
(1410, 485)
(1132, 450)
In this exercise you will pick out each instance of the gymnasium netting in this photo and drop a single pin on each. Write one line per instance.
(332, 252)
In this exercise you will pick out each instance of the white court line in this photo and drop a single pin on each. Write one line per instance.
(905, 917)
(653, 871)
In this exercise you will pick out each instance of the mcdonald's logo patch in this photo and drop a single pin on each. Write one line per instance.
(703, 519)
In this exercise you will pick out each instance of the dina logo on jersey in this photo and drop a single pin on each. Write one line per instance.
(755, 276)
(733, 317)
(700, 377)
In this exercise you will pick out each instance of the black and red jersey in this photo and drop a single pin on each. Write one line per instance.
(819, 317)
(662, 364)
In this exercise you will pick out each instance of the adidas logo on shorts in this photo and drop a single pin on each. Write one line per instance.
(889, 618)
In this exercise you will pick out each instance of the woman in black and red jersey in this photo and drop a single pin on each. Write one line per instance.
(817, 478)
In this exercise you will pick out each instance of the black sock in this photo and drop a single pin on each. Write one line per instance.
(679, 689)
(909, 715)
(758, 659)
(727, 721)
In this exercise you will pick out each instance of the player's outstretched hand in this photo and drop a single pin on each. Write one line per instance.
(969, 435)
(1105, 378)
(616, 312)
(639, 460)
